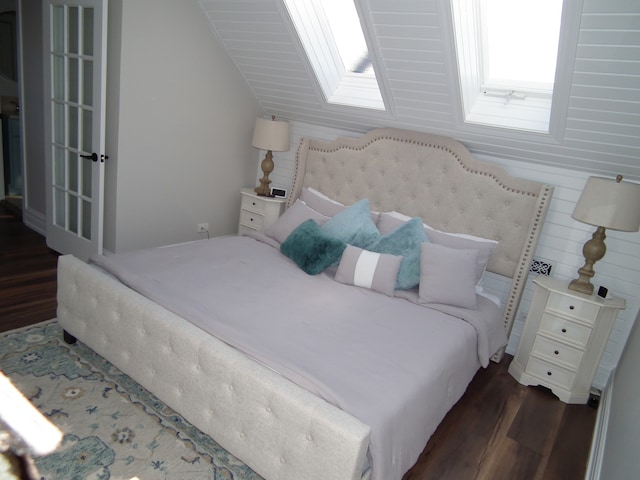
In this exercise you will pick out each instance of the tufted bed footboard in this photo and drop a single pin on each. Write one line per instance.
(277, 428)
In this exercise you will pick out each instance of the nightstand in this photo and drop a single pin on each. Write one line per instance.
(564, 336)
(258, 212)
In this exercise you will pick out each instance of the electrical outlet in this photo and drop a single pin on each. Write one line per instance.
(203, 227)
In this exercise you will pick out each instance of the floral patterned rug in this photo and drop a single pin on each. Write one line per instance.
(113, 428)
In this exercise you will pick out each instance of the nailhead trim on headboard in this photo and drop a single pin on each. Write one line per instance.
(436, 178)
(422, 144)
(527, 256)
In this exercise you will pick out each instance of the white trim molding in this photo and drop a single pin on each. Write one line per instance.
(598, 441)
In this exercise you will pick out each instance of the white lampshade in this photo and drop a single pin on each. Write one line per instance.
(609, 203)
(271, 134)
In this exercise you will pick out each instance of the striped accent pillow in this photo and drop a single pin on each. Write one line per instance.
(375, 271)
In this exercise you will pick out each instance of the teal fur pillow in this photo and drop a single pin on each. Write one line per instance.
(311, 248)
(353, 225)
(406, 240)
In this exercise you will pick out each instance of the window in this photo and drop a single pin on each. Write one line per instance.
(332, 37)
(507, 52)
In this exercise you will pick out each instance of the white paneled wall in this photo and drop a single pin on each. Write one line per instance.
(560, 244)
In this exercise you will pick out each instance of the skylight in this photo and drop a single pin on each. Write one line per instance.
(347, 34)
(517, 51)
(332, 37)
(507, 55)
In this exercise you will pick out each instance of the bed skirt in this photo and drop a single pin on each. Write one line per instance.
(277, 428)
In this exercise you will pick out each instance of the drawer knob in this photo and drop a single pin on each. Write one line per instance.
(251, 219)
(564, 330)
(571, 307)
(254, 204)
(549, 373)
(556, 352)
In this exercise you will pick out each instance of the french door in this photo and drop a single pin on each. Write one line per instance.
(75, 76)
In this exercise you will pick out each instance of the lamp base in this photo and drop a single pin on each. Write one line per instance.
(267, 167)
(593, 251)
(582, 285)
(263, 189)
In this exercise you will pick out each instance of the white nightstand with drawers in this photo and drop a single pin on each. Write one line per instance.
(258, 212)
(563, 339)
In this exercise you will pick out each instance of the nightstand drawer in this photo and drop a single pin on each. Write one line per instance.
(565, 330)
(253, 203)
(557, 352)
(572, 307)
(256, 212)
(252, 220)
(550, 374)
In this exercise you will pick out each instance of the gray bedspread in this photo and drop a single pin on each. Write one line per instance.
(395, 365)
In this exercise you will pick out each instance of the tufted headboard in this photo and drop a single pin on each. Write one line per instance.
(436, 178)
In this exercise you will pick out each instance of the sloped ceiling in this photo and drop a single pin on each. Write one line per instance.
(411, 45)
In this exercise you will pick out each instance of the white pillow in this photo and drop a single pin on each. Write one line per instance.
(495, 299)
(320, 202)
(326, 205)
(447, 276)
(389, 221)
(291, 218)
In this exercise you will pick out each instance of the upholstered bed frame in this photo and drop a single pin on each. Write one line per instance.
(277, 428)
(436, 178)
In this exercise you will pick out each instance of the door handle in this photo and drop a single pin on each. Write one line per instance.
(94, 157)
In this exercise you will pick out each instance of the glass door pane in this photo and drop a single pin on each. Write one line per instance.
(72, 112)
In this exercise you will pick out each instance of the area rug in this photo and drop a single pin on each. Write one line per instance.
(113, 428)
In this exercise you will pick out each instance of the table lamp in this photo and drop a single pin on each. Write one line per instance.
(604, 203)
(272, 136)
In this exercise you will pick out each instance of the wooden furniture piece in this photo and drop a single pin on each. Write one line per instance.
(295, 434)
(257, 212)
(564, 336)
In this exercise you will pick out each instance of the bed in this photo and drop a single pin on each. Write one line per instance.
(309, 417)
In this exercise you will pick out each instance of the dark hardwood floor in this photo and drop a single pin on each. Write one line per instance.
(27, 274)
(499, 430)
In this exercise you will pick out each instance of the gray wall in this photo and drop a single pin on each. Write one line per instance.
(32, 104)
(620, 459)
(180, 122)
(179, 125)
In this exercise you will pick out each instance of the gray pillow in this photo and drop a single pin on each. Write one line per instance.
(375, 271)
(390, 220)
(447, 275)
(291, 218)
(485, 247)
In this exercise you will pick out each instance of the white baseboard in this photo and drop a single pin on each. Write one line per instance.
(600, 433)
(35, 221)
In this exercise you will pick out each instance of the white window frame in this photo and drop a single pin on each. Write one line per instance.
(338, 86)
(527, 107)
